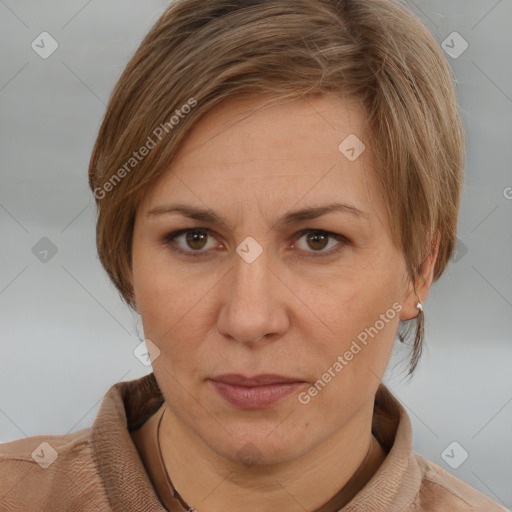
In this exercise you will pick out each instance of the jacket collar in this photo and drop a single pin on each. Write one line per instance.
(127, 405)
(124, 408)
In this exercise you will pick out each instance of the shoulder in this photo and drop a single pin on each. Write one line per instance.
(50, 471)
(440, 490)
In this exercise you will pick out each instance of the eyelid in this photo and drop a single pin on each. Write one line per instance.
(169, 239)
(343, 240)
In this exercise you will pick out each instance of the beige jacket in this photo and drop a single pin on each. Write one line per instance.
(100, 469)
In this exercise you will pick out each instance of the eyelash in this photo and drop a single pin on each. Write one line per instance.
(168, 240)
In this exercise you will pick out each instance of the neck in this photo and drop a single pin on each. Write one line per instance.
(208, 481)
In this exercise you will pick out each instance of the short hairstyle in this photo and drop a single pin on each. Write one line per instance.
(201, 52)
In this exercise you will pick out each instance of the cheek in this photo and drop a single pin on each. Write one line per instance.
(349, 364)
(352, 302)
(360, 316)
(175, 308)
(159, 297)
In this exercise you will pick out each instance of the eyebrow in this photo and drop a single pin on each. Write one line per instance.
(294, 217)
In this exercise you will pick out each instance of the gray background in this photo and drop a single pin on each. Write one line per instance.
(66, 337)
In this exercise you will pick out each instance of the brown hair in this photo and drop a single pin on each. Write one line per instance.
(201, 52)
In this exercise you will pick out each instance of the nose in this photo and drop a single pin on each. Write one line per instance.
(253, 308)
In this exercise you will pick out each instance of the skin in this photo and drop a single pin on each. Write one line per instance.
(288, 312)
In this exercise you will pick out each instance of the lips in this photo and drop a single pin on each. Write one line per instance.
(256, 392)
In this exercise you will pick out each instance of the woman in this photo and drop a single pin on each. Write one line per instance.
(278, 186)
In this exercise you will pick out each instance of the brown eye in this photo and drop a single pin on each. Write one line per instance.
(196, 239)
(317, 241)
(194, 242)
(191, 242)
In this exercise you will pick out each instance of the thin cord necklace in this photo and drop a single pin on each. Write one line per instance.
(174, 492)
(188, 508)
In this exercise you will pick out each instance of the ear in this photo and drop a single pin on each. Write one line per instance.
(418, 291)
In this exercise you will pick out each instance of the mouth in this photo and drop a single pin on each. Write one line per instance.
(256, 392)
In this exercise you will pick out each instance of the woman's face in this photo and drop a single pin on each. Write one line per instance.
(275, 326)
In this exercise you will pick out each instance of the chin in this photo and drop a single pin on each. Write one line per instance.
(257, 445)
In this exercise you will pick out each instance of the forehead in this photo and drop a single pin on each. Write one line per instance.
(277, 156)
(239, 128)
